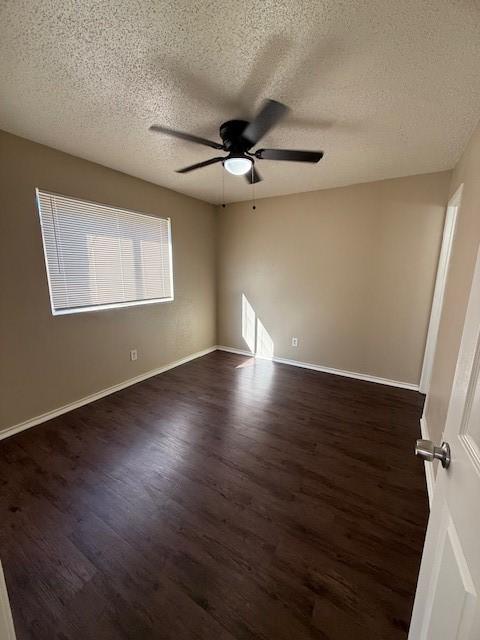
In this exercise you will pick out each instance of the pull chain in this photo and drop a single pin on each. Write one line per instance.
(254, 206)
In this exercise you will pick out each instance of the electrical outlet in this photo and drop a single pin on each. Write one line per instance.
(133, 355)
(294, 342)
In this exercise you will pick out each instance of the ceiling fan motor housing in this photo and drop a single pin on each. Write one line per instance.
(231, 134)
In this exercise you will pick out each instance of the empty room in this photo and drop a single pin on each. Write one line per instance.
(240, 320)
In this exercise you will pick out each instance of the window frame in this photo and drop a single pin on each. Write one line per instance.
(107, 305)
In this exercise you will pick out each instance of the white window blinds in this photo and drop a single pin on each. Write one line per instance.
(99, 256)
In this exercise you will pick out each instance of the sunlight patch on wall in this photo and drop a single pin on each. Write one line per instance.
(264, 341)
(248, 323)
(254, 332)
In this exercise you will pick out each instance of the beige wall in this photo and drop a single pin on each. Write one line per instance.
(47, 361)
(459, 280)
(349, 271)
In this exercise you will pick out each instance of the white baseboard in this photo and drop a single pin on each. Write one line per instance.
(240, 352)
(337, 372)
(429, 469)
(10, 431)
(7, 632)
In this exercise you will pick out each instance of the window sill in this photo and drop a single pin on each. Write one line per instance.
(114, 305)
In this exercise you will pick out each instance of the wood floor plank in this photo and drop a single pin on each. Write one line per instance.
(228, 498)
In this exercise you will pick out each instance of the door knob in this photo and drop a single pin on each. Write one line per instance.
(428, 451)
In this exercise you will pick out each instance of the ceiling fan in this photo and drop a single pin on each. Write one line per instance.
(239, 136)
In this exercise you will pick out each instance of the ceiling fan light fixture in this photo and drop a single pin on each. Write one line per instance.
(238, 166)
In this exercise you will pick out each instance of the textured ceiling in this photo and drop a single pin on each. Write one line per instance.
(386, 88)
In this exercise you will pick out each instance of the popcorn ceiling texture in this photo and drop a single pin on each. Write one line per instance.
(385, 88)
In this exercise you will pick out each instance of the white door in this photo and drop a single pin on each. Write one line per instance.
(447, 602)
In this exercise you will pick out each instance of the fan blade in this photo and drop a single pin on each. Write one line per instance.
(186, 136)
(292, 155)
(268, 116)
(199, 165)
(253, 176)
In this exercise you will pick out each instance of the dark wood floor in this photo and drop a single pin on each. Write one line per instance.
(226, 499)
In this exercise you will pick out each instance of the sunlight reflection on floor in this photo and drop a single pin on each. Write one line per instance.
(248, 363)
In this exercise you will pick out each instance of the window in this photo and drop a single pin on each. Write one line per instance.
(99, 257)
